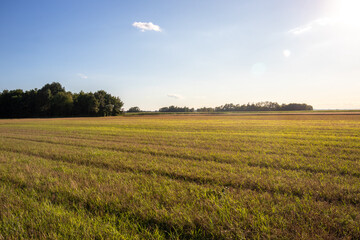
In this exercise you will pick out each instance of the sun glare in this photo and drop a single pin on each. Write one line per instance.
(347, 12)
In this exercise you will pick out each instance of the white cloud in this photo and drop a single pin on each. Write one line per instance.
(83, 76)
(313, 24)
(286, 53)
(147, 26)
(300, 30)
(176, 96)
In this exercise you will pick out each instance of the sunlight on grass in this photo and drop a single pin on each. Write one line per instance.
(181, 177)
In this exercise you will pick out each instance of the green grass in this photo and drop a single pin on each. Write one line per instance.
(356, 112)
(181, 177)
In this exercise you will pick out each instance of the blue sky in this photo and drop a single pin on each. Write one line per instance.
(186, 53)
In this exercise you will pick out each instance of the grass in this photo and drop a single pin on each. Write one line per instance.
(181, 177)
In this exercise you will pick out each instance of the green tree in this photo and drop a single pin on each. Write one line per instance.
(108, 110)
(43, 102)
(118, 104)
(54, 88)
(134, 109)
(62, 104)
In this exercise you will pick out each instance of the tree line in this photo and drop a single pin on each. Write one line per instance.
(176, 109)
(53, 101)
(230, 107)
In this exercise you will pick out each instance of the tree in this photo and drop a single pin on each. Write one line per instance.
(12, 103)
(43, 102)
(85, 104)
(176, 109)
(104, 99)
(295, 107)
(134, 109)
(263, 106)
(62, 104)
(118, 104)
(54, 88)
(53, 100)
(205, 109)
(30, 103)
(108, 109)
(101, 99)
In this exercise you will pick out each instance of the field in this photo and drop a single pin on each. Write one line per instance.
(227, 176)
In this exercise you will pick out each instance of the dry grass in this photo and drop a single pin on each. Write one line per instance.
(181, 177)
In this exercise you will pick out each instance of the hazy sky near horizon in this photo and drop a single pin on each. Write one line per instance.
(187, 53)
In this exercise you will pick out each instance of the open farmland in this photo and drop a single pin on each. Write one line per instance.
(181, 177)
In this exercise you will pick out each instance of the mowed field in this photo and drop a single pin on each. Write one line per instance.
(181, 177)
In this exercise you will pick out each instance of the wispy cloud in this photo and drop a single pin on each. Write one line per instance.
(300, 30)
(176, 96)
(311, 25)
(147, 26)
(82, 76)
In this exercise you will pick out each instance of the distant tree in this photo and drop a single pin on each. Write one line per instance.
(205, 109)
(134, 109)
(296, 107)
(262, 106)
(164, 109)
(176, 109)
